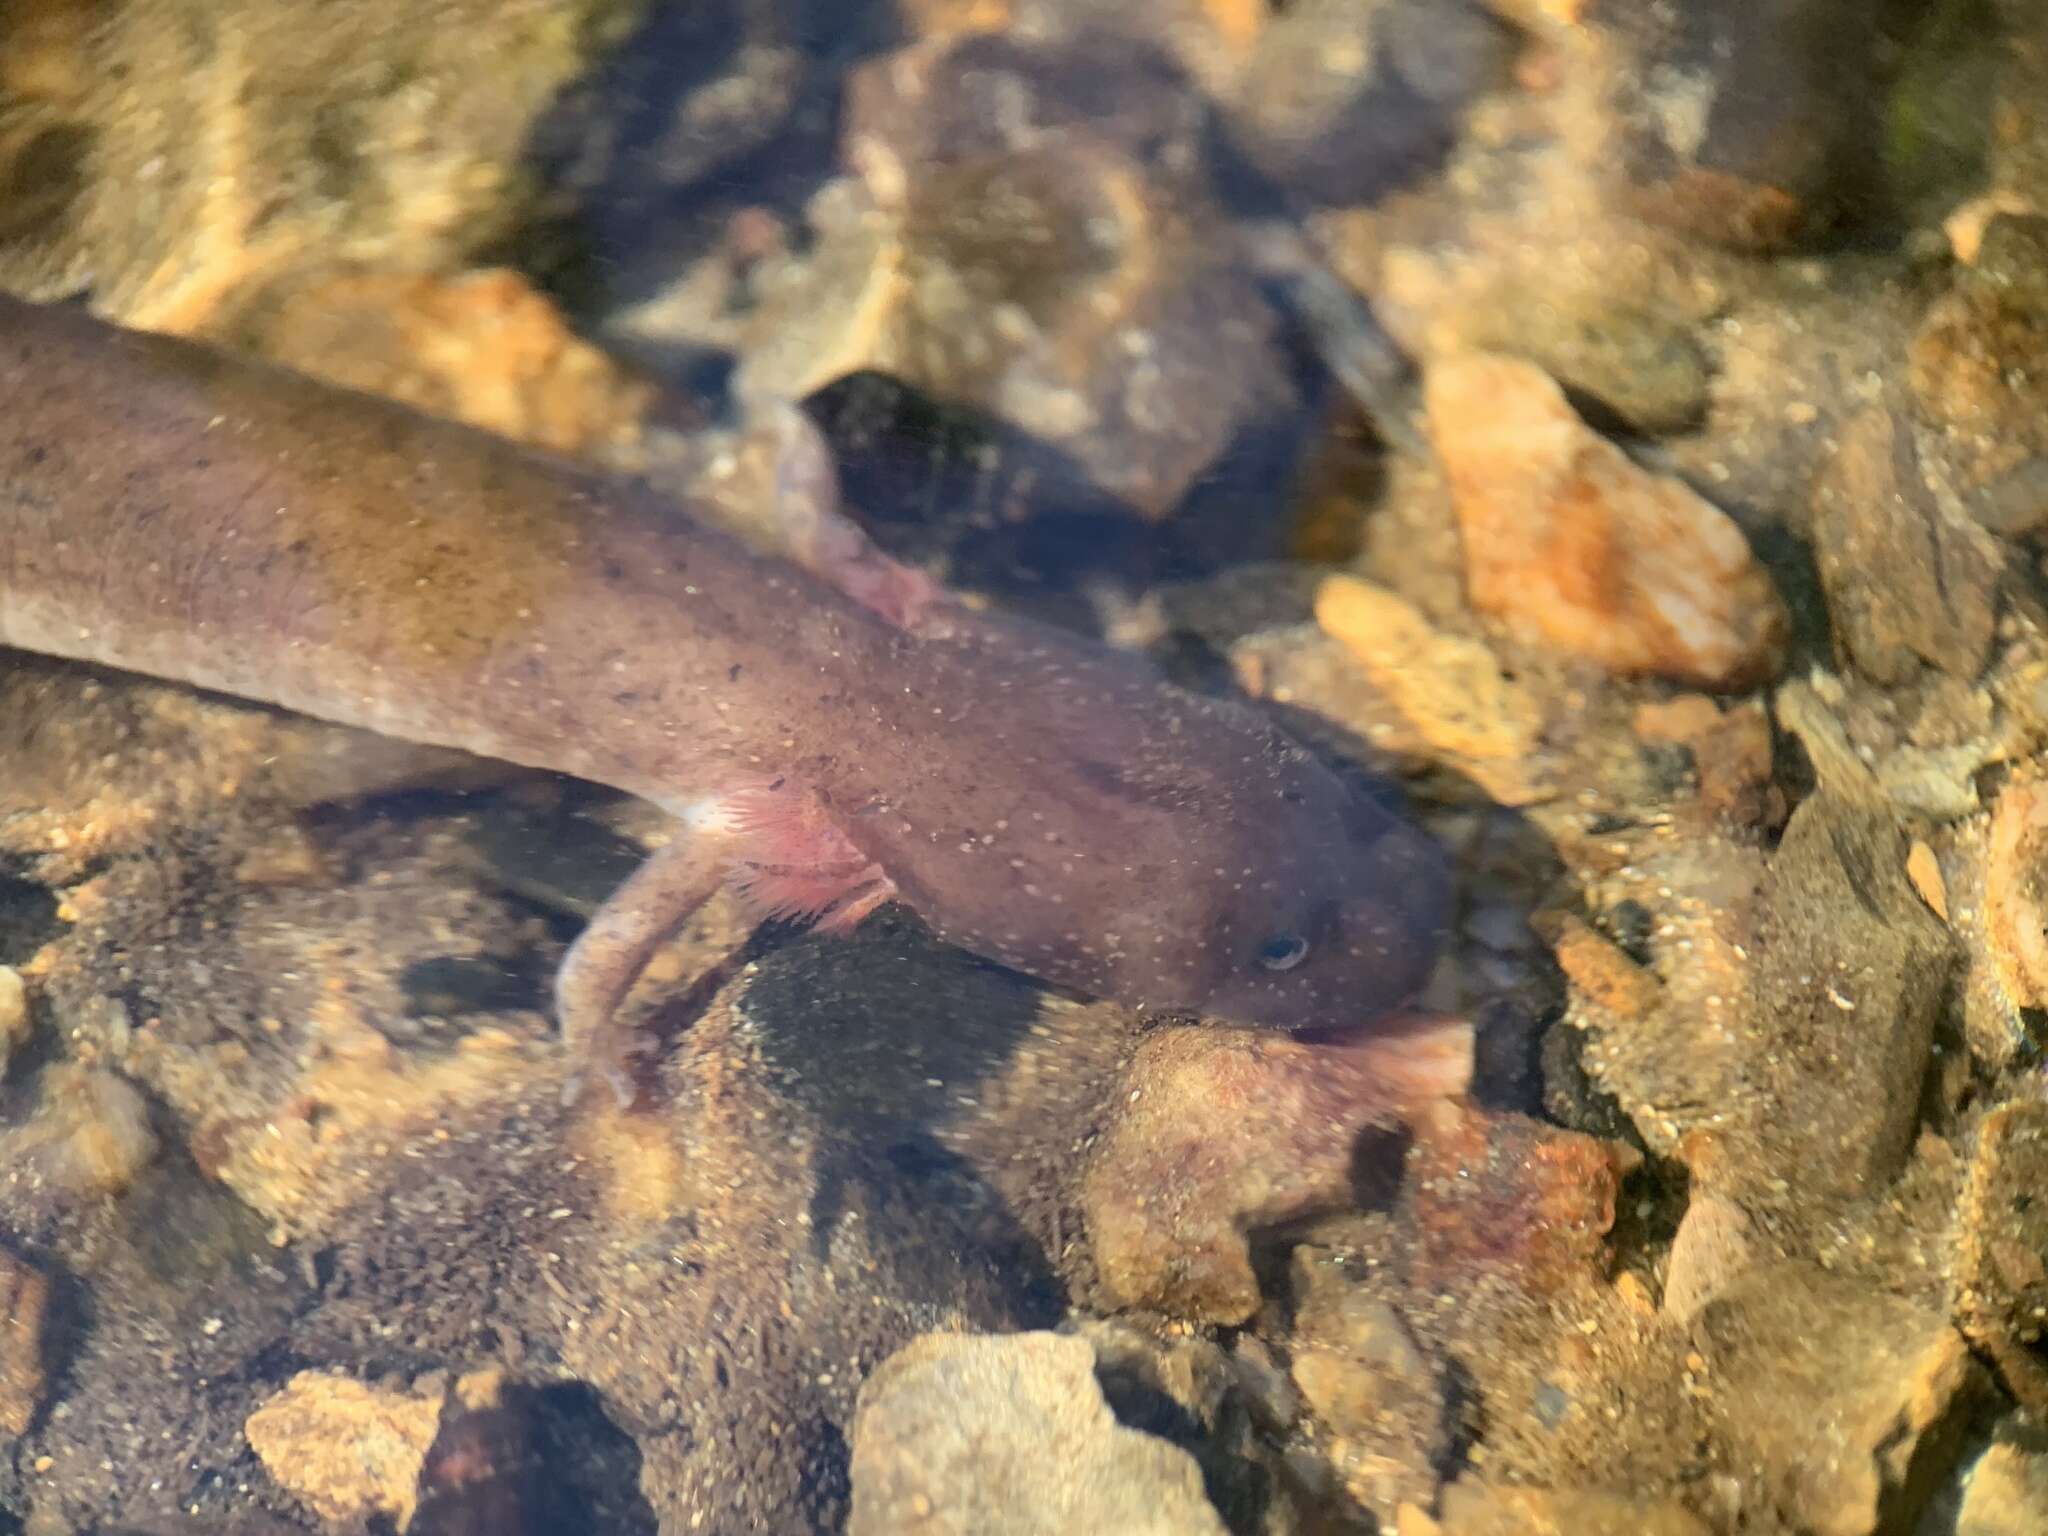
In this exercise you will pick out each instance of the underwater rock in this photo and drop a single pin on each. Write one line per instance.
(1638, 361)
(1601, 971)
(218, 145)
(481, 1475)
(1224, 1131)
(1850, 1403)
(1731, 755)
(1450, 688)
(349, 1450)
(1575, 546)
(1022, 245)
(24, 1305)
(2019, 113)
(1010, 1436)
(90, 1135)
(1360, 1368)
(1339, 101)
(1504, 1197)
(1190, 1393)
(1711, 1249)
(482, 347)
(2005, 1493)
(1849, 972)
(1267, 1385)
(1874, 511)
(2001, 1248)
(1474, 1508)
(2015, 860)
(1740, 123)
(1978, 364)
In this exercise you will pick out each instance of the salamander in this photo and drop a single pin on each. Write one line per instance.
(830, 732)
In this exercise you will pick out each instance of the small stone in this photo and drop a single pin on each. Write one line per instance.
(1473, 1508)
(1848, 1402)
(938, 18)
(2001, 1263)
(1019, 248)
(1679, 721)
(1640, 365)
(1734, 122)
(1266, 1384)
(348, 1450)
(1634, 1293)
(1712, 1248)
(25, 1299)
(1966, 225)
(1731, 753)
(2005, 1494)
(287, 858)
(15, 1022)
(91, 1133)
(1224, 1131)
(480, 1472)
(1450, 688)
(2015, 922)
(1603, 972)
(1735, 761)
(1186, 1390)
(964, 1435)
(1873, 510)
(1341, 100)
(1836, 1018)
(1500, 1196)
(1575, 546)
(1371, 1384)
(1924, 870)
(1979, 362)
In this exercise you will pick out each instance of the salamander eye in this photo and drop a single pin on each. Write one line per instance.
(1283, 952)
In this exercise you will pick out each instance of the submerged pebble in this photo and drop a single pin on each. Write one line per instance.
(91, 1133)
(1582, 550)
(964, 1435)
(348, 1449)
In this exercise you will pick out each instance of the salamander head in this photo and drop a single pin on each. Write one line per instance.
(1100, 829)
(1334, 913)
(1257, 885)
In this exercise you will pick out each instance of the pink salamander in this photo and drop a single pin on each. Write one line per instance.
(829, 736)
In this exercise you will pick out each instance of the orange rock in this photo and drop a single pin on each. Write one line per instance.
(2013, 897)
(1597, 967)
(1573, 544)
(347, 1449)
(1450, 688)
(1924, 870)
(1505, 1196)
(24, 1299)
(484, 347)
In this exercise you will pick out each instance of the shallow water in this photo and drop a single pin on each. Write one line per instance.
(1610, 441)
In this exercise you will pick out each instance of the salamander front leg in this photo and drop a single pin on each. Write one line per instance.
(819, 536)
(608, 957)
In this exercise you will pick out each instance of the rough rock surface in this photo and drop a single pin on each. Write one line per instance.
(349, 1450)
(1229, 1131)
(984, 1435)
(1570, 542)
(1848, 1403)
